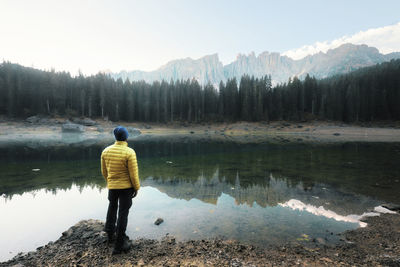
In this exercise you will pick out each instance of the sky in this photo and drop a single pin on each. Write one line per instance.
(92, 36)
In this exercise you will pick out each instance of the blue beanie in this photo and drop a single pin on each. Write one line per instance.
(120, 133)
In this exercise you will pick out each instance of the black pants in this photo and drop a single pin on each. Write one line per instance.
(124, 198)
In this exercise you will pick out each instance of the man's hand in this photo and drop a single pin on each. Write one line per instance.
(134, 193)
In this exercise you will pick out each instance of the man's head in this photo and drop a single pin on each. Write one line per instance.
(120, 133)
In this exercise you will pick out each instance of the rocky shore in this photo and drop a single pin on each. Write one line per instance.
(85, 244)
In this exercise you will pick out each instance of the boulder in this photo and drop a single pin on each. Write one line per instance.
(72, 128)
(133, 131)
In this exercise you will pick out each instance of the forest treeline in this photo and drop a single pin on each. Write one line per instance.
(368, 94)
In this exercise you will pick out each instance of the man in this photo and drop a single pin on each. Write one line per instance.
(119, 168)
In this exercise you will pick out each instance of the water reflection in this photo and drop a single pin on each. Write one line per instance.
(337, 176)
(50, 214)
(36, 217)
(321, 211)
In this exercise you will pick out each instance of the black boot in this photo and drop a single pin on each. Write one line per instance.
(122, 245)
(110, 237)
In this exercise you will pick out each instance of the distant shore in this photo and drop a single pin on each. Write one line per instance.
(85, 244)
(49, 132)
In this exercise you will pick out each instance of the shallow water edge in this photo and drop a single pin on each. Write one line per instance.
(86, 244)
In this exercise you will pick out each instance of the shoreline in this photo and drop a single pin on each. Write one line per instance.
(49, 132)
(85, 244)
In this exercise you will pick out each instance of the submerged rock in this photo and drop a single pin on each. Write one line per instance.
(38, 119)
(72, 128)
(84, 121)
(33, 119)
(159, 221)
(133, 131)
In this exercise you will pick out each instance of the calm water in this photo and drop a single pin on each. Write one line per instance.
(259, 194)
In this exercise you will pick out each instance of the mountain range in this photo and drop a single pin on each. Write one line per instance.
(342, 59)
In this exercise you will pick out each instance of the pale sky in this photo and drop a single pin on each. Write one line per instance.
(92, 36)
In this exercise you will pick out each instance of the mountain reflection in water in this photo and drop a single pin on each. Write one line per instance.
(206, 190)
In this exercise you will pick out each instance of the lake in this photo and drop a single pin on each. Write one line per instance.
(261, 194)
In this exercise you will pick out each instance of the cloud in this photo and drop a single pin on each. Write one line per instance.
(386, 39)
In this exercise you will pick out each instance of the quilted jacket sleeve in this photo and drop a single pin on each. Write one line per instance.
(133, 170)
(103, 166)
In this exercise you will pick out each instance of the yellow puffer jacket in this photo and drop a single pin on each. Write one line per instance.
(119, 166)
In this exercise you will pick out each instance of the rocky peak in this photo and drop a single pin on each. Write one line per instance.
(209, 68)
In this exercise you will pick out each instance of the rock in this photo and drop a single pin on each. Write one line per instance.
(389, 261)
(67, 233)
(133, 131)
(72, 128)
(169, 240)
(84, 121)
(33, 119)
(159, 221)
(44, 121)
(38, 119)
(147, 126)
(88, 122)
(326, 259)
(320, 240)
(86, 235)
